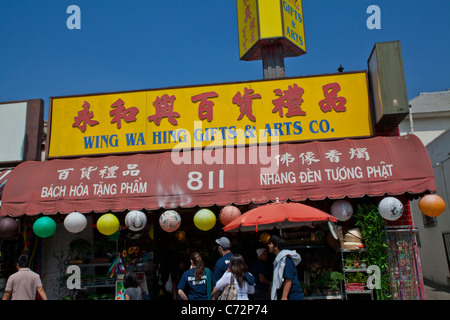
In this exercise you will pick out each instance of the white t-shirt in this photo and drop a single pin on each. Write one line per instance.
(241, 291)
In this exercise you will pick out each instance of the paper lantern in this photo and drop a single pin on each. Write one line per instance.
(390, 208)
(44, 227)
(205, 219)
(108, 224)
(170, 221)
(135, 220)
(228, 214)
(264, 237)
(8, 228)
(75, 222)
(342, 210)
(432, 205)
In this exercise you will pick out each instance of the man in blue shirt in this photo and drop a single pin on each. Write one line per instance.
(285, 283)
(224, 246)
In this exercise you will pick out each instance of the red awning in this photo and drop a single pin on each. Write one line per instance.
(315, 170)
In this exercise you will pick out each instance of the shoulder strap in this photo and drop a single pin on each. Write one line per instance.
(208, 283)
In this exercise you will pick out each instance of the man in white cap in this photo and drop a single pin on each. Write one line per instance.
(259, 270)
(224, 246)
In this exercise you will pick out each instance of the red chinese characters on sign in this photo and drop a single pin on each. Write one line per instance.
(120, 112)
(290, 99)
(205, 108)
(245, 103)
(332, 101)
(84, 118)
(288, 102)
(249, 22)
(164, 109)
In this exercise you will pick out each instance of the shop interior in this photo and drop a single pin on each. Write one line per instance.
(154, 253)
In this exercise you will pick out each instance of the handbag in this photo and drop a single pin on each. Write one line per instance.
(230, 291)
(169, 284)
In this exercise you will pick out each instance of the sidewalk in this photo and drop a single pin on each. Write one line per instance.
(434, 291)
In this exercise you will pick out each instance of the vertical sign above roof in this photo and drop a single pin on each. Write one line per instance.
(293, 26)
(265, 22)
(247, 25)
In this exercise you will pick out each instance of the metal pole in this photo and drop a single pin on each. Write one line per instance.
(273, 61)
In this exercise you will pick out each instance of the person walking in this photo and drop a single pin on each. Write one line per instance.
(285, 283)
(243, 280)
(197, 282)
(260, 270)
(23, 284)
(224, 246)
(132, 289)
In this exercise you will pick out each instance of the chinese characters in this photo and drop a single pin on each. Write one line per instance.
(287, 102)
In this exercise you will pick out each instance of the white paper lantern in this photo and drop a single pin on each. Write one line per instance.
(342, 210)
(390, 208)
(170, 221)
(135, 220)
(75, 222)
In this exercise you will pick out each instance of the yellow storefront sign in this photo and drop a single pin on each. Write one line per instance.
(291, 109)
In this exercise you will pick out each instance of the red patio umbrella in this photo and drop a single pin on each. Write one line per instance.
(278, 215)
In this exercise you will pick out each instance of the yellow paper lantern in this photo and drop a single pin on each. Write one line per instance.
(205, 219)
(108, 224)
(432, 205)
(264, 237)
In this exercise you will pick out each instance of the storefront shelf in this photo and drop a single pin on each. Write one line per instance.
(355, 269)
(359, 291)
(337, 297)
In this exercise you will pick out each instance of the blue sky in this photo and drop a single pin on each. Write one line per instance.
(144, 44)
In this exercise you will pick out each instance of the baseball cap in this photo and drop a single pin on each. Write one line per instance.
(224, 242)
(260, 251)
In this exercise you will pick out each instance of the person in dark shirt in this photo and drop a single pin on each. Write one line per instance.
(198, 282)
(285, 283)
(222, 264)
(260, 272)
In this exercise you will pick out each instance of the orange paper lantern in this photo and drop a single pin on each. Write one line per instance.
(432, 205)
(228, 214)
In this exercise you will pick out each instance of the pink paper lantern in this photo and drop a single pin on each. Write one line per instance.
(170, 221)
(228, 214)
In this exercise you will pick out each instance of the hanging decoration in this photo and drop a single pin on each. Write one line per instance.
(228, 214)
(108, 224)
(8, 228)
(264, 237)
(342, 210)
(135, 220)
(432, 205)
(44, 227)
(390, 208)
(170, 221)
(151, 232)
(205, 219)
(75, 222)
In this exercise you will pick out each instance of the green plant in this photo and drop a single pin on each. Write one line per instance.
(335, 279)
(372, 227)
(357, 277)
(79, 247)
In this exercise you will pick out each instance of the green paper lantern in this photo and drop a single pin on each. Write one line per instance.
(44, 227)
(205, 219)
